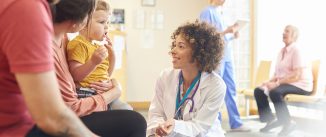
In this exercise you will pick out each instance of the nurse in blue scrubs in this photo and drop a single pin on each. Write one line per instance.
(213, 14)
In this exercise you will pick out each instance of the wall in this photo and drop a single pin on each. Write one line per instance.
(145, 64)
(272, 16)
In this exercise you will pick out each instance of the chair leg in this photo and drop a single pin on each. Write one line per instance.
(324, 115)
(247, 106)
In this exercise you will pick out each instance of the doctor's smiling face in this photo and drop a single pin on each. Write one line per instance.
(181, 52)
(196, 45)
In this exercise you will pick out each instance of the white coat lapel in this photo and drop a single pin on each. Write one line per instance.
(204, 82)
(171, 94)
(198, 102)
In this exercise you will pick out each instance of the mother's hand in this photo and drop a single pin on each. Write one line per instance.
(102, 86)
(111, 94)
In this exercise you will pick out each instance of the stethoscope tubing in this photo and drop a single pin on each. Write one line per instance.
(185, 101)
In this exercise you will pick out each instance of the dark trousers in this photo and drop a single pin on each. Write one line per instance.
(277, 96)
(113, 123)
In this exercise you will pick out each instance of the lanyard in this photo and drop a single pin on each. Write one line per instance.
(184, 98)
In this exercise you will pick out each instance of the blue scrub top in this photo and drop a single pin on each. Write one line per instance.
(212, 16)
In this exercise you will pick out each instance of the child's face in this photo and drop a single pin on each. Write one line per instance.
(99, 25)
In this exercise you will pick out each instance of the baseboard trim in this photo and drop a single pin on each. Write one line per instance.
(140, 105)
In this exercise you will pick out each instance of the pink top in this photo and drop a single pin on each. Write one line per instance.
(290, 59)
(84, 106)
(25, 39)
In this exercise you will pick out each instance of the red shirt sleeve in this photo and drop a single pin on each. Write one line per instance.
(27, 37)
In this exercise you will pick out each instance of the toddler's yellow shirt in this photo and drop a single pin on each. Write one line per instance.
(81, 50)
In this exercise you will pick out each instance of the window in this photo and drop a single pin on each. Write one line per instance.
(235, 10)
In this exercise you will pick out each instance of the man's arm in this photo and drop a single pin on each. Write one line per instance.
(47, 107)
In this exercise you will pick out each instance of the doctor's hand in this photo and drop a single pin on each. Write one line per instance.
(166, 128)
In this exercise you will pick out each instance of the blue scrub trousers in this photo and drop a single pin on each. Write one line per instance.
(226, 72)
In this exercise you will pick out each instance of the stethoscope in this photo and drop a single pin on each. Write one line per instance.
(185, 98)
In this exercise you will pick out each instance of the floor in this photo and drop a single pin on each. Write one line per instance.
(305, 128)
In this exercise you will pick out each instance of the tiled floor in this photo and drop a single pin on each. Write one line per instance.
(305, 128)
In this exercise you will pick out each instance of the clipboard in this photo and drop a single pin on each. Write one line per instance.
(241, 24)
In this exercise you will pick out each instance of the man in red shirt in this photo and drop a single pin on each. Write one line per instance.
(29, 93)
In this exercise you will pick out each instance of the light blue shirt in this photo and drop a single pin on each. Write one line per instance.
(214, 16)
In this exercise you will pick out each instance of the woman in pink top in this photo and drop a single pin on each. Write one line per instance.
(292, 76)
(70, 16)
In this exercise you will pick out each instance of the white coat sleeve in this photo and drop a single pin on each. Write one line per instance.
(206, 115)
(156, 112)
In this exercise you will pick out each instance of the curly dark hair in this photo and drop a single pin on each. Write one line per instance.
(206, 43)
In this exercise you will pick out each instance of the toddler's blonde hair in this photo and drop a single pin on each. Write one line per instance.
(103, 5)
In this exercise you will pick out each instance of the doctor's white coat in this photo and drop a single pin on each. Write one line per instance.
(208, 100)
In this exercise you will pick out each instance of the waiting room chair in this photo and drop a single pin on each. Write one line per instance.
(261, 75)
(316, 94)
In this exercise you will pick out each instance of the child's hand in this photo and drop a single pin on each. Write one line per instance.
(109, 44)
(110, 49)
(99, 55)
(107, 39)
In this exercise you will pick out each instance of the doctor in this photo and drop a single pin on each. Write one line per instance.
(213, 14)
(188, 98)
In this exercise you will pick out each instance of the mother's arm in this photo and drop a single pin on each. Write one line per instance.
(88, 105)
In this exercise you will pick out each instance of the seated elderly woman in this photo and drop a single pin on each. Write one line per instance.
(188, 98)
(292, 76)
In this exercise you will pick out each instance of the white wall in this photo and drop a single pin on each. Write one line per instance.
(274, 15)
(145, 64)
